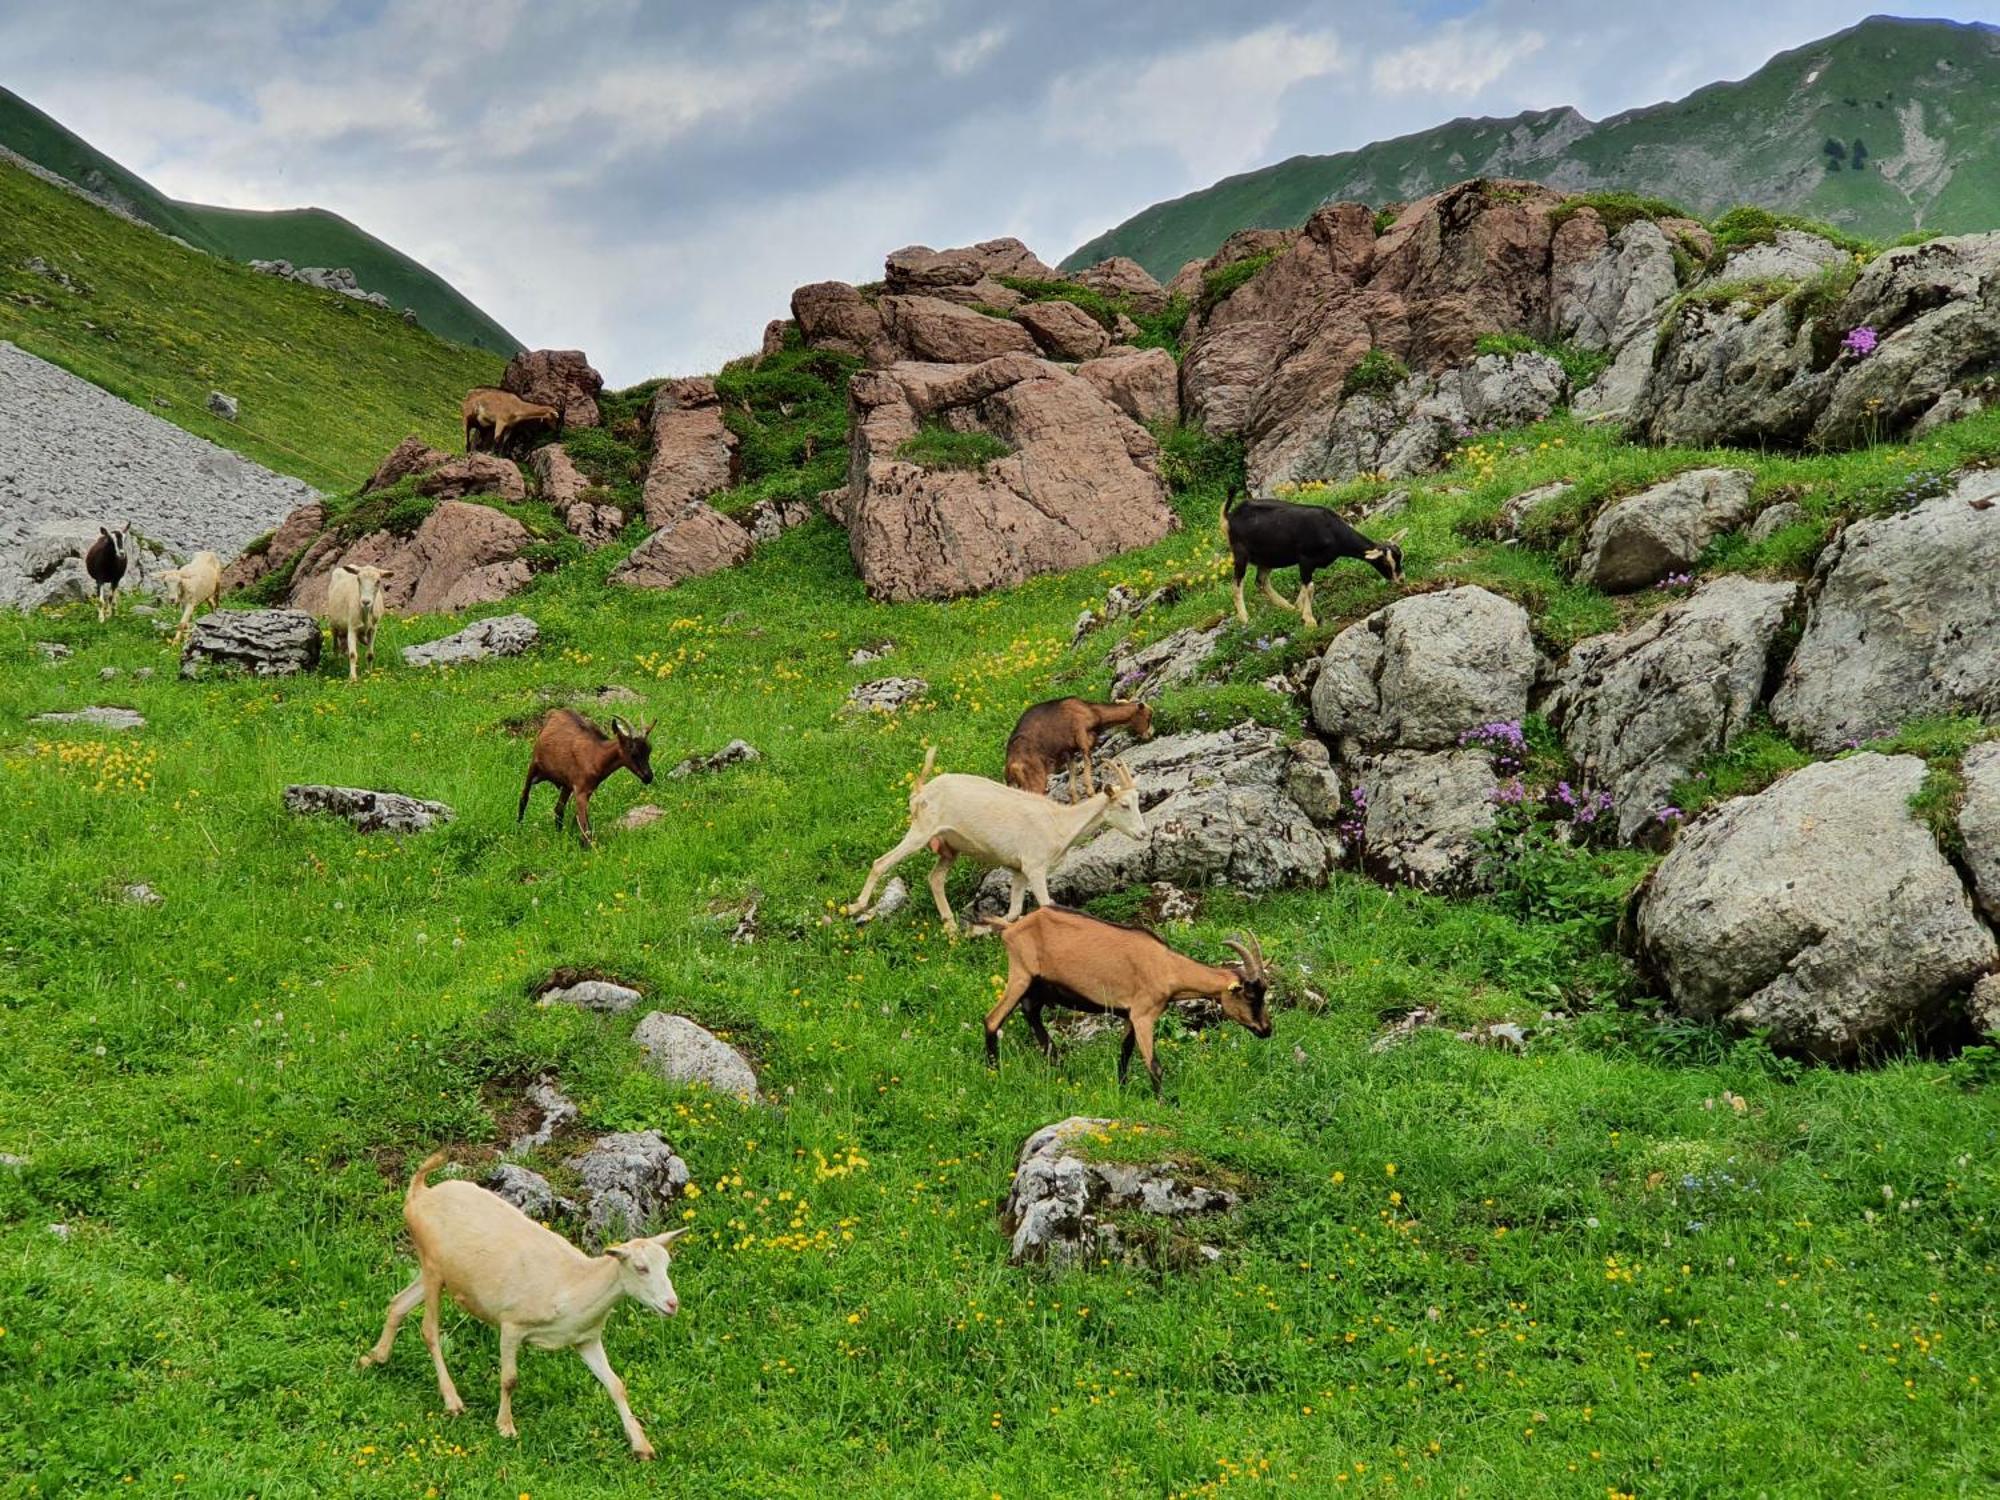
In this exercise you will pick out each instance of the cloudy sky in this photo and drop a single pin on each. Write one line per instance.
(648, 179)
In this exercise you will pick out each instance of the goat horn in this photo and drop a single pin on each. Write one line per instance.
(1400, 535)
(1252, 952)
(1249, 963)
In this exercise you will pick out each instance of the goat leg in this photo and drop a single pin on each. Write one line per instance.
(1142, 1030)
(946, 857)
(909, 844)
(510, 1346)
(600, 1365)
(1264, 583)
(1038, 1030)
(562, 801)
(583, 818)
(1242, 614)
(1018, 980)
(433, 1289)
(399, 1309)
(1306, 605)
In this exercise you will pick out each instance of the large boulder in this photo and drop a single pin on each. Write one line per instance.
(474, 474)
(833, 315)
(1236, 807)
(694, 452)
(369, 811)
(264, 642)
(567, 491)
(1121, 278)
(1607, 288)
(1064, 1206)
(1789, 255)
(1979, 824)
(628, 1179)
(1640, 709)
(1819, 911)
(1423, 813)
(1902, 622)
(699, 541)
(681, 1051)
(561, 378)
(1064, 330)
(1145, 384)
(461, 555)
(501, 635)
(1419, 673)
(411, 456)
(929, 328)
(1664, 529)
(918, 268)
(1082, 483)
(292, 536)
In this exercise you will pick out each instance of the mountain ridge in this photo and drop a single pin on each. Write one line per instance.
(1917, 95)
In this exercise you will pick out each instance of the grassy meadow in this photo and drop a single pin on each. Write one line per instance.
(1641, 1259)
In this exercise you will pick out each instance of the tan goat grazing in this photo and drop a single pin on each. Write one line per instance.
(1056, 956)
(1049, 735)
(354, 607)
(501, 414)
(527, 1281)
(196, 582)
(1019, 832)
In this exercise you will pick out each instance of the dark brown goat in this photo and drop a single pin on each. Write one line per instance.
(1047, 736)
(575, 756)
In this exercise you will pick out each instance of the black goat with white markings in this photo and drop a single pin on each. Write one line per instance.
(106, 562)
(1269, 534)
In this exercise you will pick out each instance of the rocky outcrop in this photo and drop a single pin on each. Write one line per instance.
(1081, 484)
(368, 811)
(1145, 384)
(411, 456)
(1401, 693)
(1979, 824)
(339, 279)
(931, 329)
(501, 635)
(833, 315)
(97, 716)
(461, 555)
(699, 541)
(1639, 710)
(290, 538)
(1606, 288)
(1270, 361)
(885, 695)
(1642, 538)
(1818, 911)
(1063, 330)
(73, 457)
(694, 452)
(561, 378)
(263, 642)
(1124, 279)
(627, 1179)
(681, 1051)
(1236, 807)
(1062, 1204)
(567, 491)
(1145, 671)
(474, 474)
(918, 268)
(1901, 622)
(1752, 371)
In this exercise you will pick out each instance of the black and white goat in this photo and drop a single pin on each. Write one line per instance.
(1269, 534)
(106, 562)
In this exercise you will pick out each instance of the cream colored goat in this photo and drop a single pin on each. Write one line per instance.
(353, 609)
(1020, 832)
(529, 1282)
(195, 582)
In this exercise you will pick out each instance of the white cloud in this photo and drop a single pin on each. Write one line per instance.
(1458, 60)
(965, 55)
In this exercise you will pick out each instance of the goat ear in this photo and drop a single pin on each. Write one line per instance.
(1373, 554)
(620, 728)
(385, 572)
(618, 1252)
(342, 568)
(1399, 536)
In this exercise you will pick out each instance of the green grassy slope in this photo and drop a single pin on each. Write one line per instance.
(1923, 98)
(1617, 1264)
(305, 236)
(326, 384)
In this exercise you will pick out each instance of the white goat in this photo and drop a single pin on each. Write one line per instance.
(353, 609)
(1023, 833)
(529, 1282)
(196, 582)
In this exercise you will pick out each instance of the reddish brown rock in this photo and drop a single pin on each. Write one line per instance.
(932, 330)
(561, 378)
(775, 333)
(1142, 383)
(594, 525)
(411, 456)
(1123, 277)
(918, 268)
(562, 482)
(694, 452)
(461, 555)
(833, 315)
(699, 540)
(986, 292)
(1186, 282)
(1064, 330)
(474, 474)
(293, 533)
(1081, 485)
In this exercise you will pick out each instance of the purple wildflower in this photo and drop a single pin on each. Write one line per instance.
(1675, 581)
(1860, 342)
(1668, 815)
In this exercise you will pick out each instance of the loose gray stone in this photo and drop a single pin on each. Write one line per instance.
(644, 815)
(106, 674)
(369, 811)
(628, 1179)
(99, 716)
(1819, 910)
(503, 635)
(223, 405)
(1979, 823)
(1059, 1207)
(1983, 1007)
(735, 753)
(1642, 538)
(594, 994)
(52, 650)
(1773, 519)
(1904, 620)
(528, 1191)
(886, 695)
(265, 642)
(141, 894)
(557, 1111)
(681, 1051)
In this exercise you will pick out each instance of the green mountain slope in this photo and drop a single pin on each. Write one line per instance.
(326, 384)
(1915, 103)
(304, 236)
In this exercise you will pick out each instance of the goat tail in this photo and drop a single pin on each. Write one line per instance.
(1222, 520)
(923, 773)
(430, 1164)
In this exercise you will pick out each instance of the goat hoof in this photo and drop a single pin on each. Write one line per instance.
(644, 1455)
(507, 1429)
(454, 1408)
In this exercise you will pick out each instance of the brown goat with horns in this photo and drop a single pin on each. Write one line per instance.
(1049, 735)
(1060, 957)
(575, 756)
